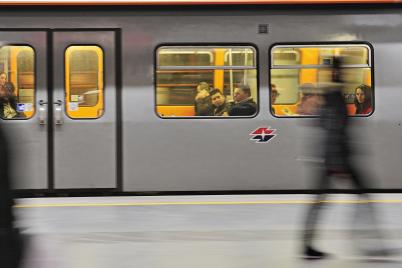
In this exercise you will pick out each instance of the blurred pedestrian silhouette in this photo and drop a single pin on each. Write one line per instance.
(10, 238)
(337, 163)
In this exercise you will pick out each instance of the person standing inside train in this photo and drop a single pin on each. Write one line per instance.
(221, 107)
(244, 104)
(334, 123)
(202, 102)
(363, 100)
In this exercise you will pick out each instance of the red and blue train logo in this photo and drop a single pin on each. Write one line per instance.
(262, 134)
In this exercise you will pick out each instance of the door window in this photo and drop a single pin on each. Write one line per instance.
(17, 82)
(84, 89)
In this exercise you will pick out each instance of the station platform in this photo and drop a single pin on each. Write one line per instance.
(222, 231)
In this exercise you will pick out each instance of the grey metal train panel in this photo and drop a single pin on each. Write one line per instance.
(217, 154)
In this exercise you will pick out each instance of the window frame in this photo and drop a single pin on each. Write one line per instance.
(212, 45)
(370, 65)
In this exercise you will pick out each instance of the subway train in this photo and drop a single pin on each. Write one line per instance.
(102, 96)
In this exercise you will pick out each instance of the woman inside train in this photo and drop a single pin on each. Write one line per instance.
(8, 101)
(363, 100)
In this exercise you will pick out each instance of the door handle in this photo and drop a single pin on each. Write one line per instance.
(58, 113)
(42, 112)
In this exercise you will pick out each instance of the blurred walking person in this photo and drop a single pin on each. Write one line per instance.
(10, 238)
(337, 163)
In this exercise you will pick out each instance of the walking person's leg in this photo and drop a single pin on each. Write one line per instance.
(365, 218)
(312, 217)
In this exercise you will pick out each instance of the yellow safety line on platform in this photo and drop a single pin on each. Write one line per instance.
(272, 202)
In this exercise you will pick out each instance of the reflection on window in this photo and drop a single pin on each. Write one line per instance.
(187, 78)
(84, 82)
(300, 74)
(17, 82)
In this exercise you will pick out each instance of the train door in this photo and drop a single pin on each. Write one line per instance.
(84, 111)
(23, 82)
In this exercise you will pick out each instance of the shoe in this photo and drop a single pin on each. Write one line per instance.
(313, 254)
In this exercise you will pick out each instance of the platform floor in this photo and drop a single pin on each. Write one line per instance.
(233, 231)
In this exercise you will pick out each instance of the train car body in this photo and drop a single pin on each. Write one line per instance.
(100, 126)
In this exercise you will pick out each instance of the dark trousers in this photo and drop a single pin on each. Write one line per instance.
(11, 246)
(323, 186)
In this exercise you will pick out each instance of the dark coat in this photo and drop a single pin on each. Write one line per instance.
(245, 108)
(334, 121)
(6, 200)
(219, 111)
(204, 107)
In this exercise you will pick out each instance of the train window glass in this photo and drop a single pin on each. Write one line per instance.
(185, 75)
(185, 57)
(17, 82)
(300, 74)
(84, 88)
(240, 57)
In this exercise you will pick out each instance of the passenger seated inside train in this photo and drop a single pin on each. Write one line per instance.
(8, 100)
(363, 100)
(310, 100)
(202, 101)
(244, 104)
(221, 107)
(274, 96)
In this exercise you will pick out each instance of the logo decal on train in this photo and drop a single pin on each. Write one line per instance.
(262, 134)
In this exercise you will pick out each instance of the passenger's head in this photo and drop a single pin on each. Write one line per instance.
(202, 86)
(274, 93)
(217, 98)
(3, 78)
(241, 93)
(363, 94)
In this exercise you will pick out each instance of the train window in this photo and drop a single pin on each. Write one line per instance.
(199, 81)
(17, 82)
(300, 73)
(84, 88)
